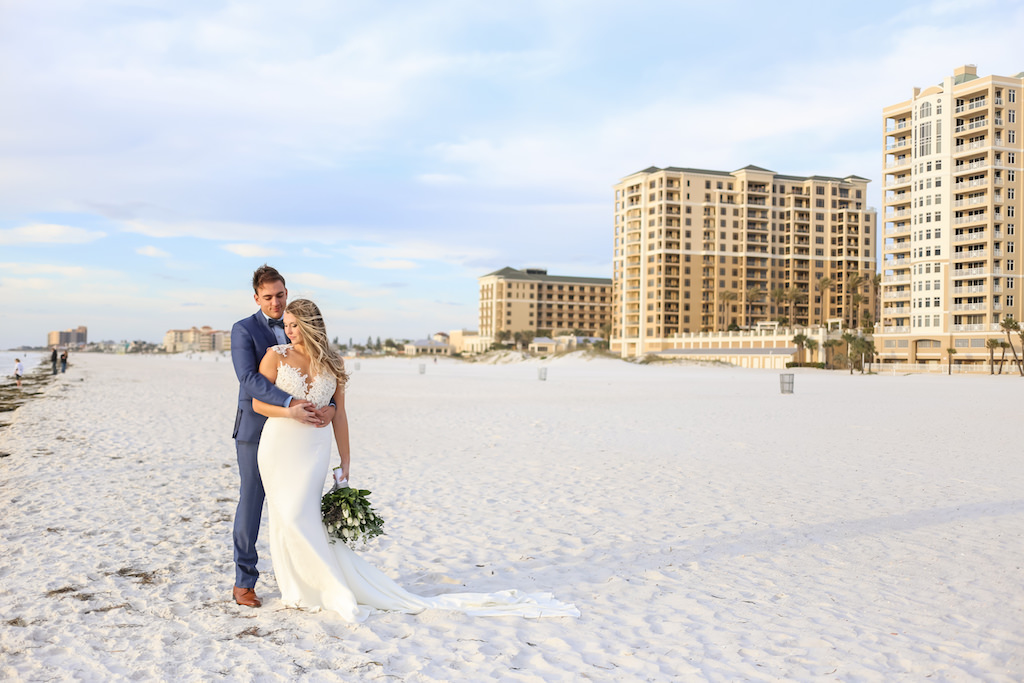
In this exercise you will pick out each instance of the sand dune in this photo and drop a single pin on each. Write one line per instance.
(708, 528)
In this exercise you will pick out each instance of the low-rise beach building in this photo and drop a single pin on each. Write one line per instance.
(466, 341)
(561, 343)
(197, 339)
(427, 347)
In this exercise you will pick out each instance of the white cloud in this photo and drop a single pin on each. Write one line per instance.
(251, 250)
(238, 231)
(324, 283)
(311, 253)
(29, 269)
(407, 255)
(49, 233)
(390, 264)
(441, 179)
(152, 251)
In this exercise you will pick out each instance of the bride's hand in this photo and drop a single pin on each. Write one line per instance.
(340, 475)
(302, 411)
(325, 415)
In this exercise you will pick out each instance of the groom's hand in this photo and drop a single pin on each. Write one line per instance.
(326, 415)
(303, 411)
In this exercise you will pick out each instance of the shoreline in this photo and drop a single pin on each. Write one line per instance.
(34, 384)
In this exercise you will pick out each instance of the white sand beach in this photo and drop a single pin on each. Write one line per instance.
(865, 528)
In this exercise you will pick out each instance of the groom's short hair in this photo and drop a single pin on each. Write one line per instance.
(265, 275)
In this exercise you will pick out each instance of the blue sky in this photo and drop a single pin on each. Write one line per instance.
(383, 155)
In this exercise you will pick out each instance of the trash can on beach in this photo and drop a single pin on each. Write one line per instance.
(786, 382)
(542, 374)
(423, 368)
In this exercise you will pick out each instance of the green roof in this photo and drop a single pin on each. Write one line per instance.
(513, 274)
(963, 78)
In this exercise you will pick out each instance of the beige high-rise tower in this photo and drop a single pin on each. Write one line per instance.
(952, 253)
(698, 250)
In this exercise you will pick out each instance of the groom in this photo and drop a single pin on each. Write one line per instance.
(250, 339)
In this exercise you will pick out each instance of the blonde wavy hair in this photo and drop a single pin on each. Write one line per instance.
(314, 336)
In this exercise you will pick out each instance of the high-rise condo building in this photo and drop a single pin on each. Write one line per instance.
(78, 336)
(951, 265)
(530, 300)
(698, 250)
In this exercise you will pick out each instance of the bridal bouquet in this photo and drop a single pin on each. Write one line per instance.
(348, 516)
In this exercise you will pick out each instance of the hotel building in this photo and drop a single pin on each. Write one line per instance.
(698, 250)
(76, 337)
(530, 300)
(197, 339)
(951, 264)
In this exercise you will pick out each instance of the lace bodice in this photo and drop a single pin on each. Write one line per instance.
(318, 392)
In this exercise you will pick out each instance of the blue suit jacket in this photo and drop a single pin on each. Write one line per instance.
(250, 339)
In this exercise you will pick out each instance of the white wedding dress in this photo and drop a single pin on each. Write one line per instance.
(316, 574)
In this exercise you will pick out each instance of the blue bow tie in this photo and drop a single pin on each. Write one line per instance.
(276, 323)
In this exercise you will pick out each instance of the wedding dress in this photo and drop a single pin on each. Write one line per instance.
(316, 574)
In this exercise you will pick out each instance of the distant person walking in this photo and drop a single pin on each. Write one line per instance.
(53, 360)
(19, 370)
(64, 361)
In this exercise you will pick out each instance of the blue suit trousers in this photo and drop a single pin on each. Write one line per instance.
(248, 514)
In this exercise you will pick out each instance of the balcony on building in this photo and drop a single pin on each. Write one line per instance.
(973, 165)
(894, 124)
(969, 147)
(898, 181)
(898, 144)
(898, 161)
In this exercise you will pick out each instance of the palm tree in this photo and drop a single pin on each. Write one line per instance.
(876, 289)
(950, 352)
(1011, 325)
(778, 295)
(867, 323)
(850, 340)
(811, 344)
(753, 294)
(1020, 334)
(991, 344)
(867, 351)
(856, 299)
(824, 286)
(828, 346)
(795, 296)
(726, 297)
(1002, 358)
(853, 285)
(801, 341)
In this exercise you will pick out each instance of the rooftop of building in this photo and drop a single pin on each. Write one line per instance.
(750, 167)
(541, 275)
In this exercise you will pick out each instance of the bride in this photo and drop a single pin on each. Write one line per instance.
(293, 461)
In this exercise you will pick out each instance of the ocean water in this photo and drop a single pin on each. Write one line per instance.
(29, 358)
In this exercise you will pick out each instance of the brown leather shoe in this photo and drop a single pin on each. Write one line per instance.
(246, 597)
